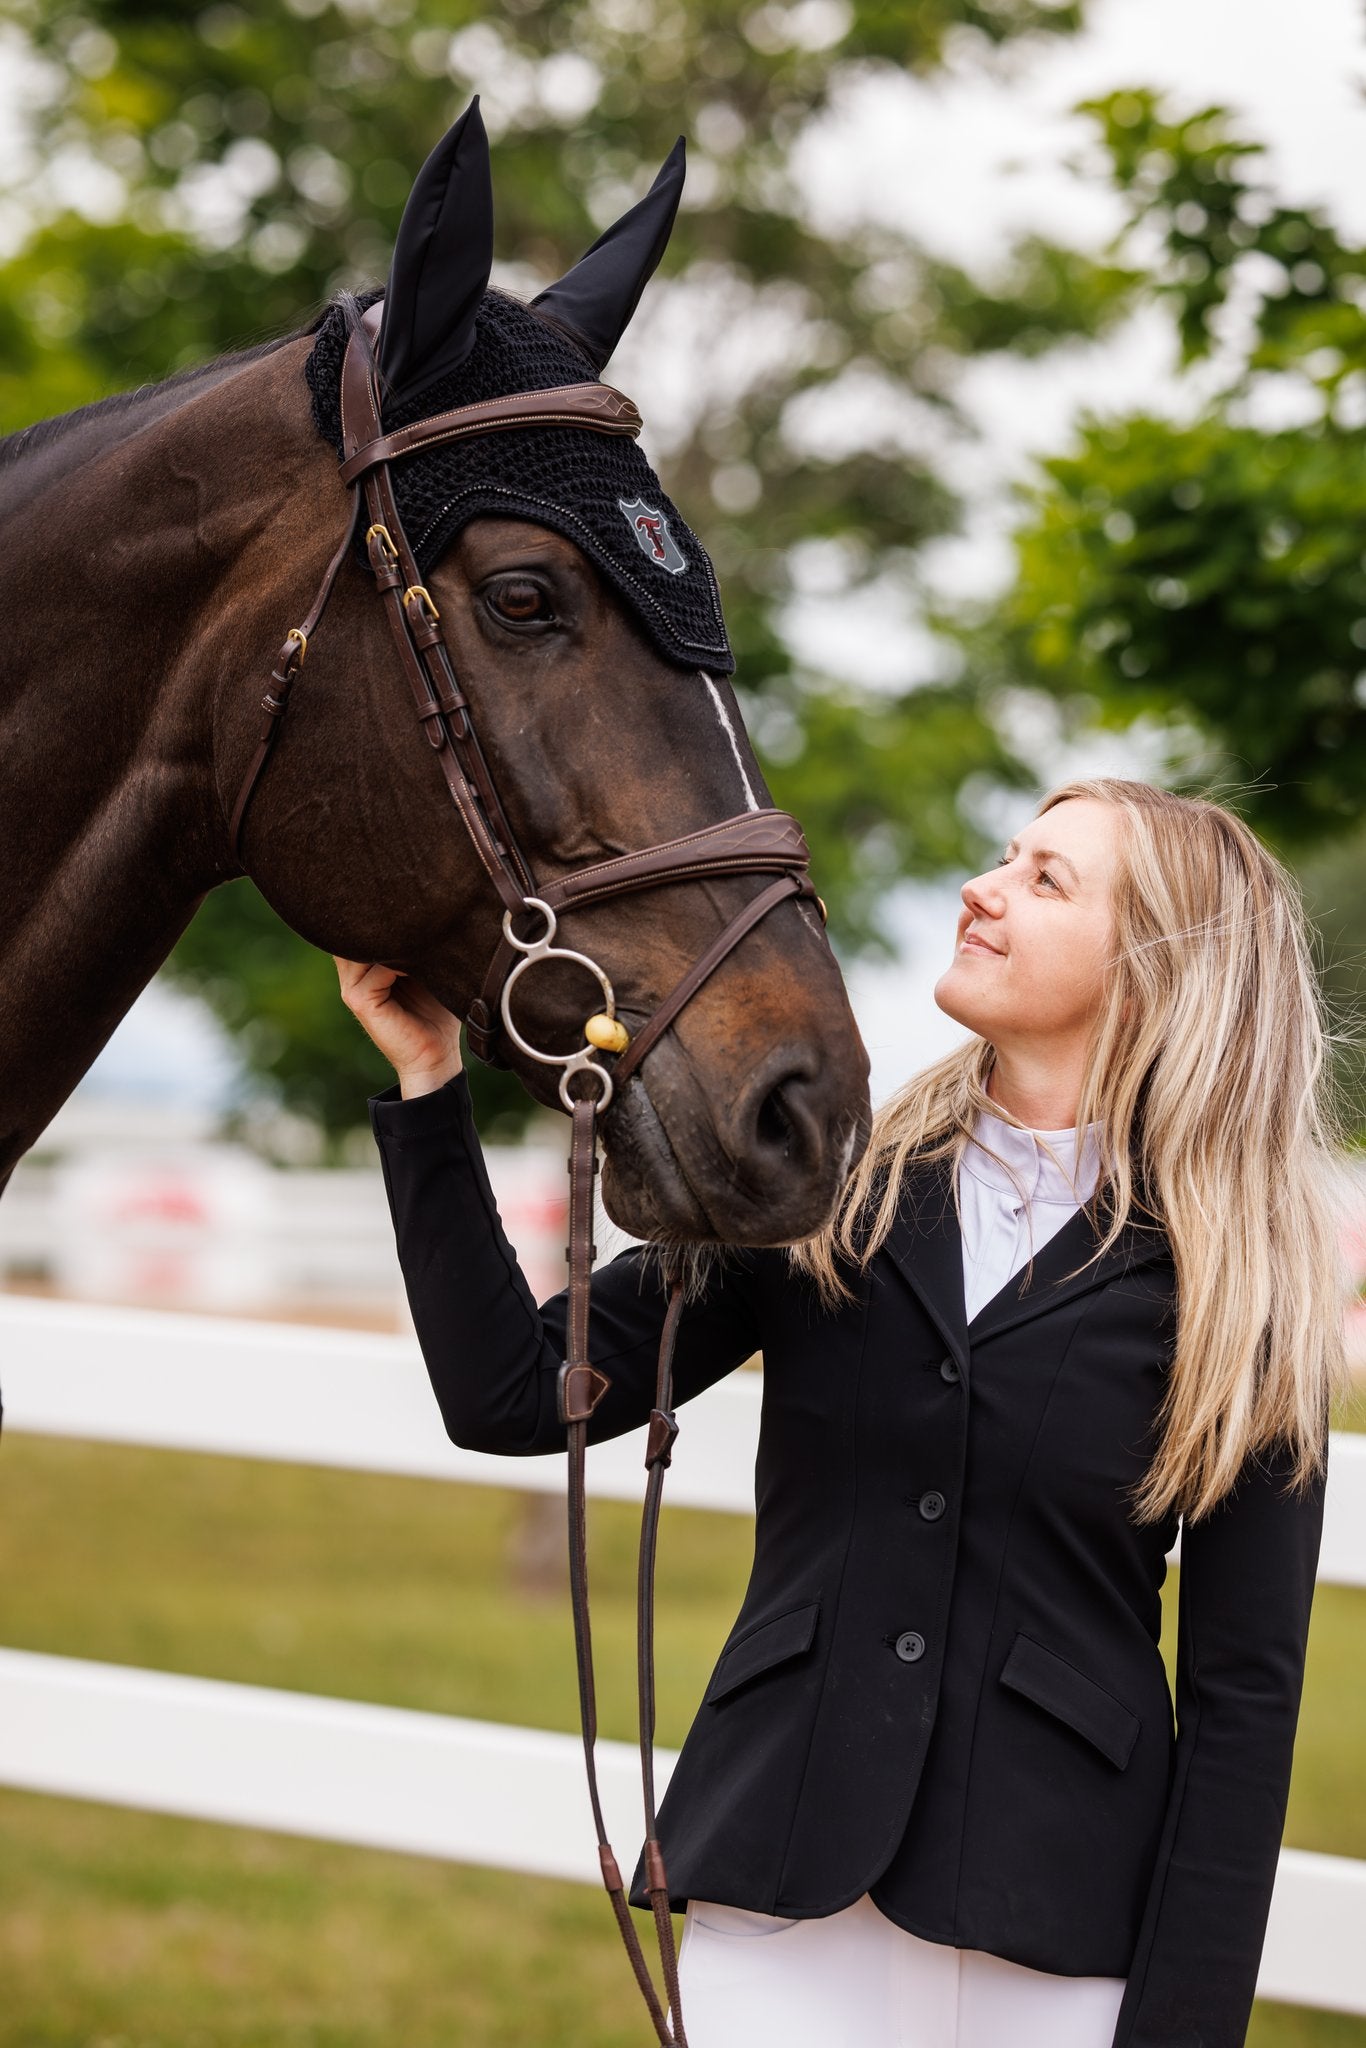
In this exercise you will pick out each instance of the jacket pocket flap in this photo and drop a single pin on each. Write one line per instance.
(1058, 1687)
(787, 1635)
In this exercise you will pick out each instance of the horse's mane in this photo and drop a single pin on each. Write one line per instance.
(44, 434)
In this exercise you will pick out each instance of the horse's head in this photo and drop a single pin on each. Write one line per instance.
(582, 625)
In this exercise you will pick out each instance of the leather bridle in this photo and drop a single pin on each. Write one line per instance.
(767, 842)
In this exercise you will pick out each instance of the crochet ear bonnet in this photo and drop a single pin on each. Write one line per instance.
(448, 340)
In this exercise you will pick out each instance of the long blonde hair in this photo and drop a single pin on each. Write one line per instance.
(1207, 1077)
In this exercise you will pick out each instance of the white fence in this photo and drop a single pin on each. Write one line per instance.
(509, 1797)
(210, 1226)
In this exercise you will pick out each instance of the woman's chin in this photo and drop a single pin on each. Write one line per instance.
(956, 1001)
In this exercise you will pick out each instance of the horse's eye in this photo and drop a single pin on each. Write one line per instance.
(519, 601)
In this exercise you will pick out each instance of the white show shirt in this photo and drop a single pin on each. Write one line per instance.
(1005, 1224)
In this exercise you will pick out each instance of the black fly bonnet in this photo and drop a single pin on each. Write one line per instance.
(597, 490)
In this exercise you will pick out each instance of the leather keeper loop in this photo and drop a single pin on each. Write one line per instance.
(656, 1878)
(479, 1026)
(659, 1444)
(579, 1390)
(611, 1869)
(383, 558)
(447, 703)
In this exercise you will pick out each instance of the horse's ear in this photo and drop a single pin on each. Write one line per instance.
(442, 260)
(596, 299)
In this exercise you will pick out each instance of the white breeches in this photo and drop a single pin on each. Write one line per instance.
(857, 1980)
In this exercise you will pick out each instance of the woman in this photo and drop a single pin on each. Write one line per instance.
(1083, 1283)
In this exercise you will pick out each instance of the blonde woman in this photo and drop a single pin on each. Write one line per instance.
(1082, 1291)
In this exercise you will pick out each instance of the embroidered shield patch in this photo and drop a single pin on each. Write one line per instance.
(653, 537)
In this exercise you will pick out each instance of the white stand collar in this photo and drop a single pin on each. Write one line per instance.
(1036, 1166)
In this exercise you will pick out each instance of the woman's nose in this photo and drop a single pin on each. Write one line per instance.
(982, 895)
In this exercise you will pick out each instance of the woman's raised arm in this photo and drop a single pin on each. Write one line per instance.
(492, 1355)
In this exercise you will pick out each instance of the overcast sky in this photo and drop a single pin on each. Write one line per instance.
(968, 162)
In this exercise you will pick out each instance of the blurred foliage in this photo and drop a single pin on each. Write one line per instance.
(1334, 884)
(204, 177)
(880, 783)
(1206, 572)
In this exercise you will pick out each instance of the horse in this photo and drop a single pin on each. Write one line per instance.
(155, 545)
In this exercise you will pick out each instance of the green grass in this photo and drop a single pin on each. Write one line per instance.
(365, 1587)
(126, 1930)
(129, 1930)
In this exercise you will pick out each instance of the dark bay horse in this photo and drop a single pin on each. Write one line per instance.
(155, 547)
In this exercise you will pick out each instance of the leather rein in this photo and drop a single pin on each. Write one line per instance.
(766, 842)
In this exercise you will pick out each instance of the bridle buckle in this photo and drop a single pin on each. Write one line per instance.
(379, 546)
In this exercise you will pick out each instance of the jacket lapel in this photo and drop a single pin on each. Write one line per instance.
(1061, 1272)
(926, 1246)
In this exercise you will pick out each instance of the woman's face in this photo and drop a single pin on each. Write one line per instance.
(1036, 930)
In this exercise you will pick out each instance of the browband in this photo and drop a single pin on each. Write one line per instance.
(599, 407)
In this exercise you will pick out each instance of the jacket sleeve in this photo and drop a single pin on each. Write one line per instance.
(1247, 1582)
(493, 1357)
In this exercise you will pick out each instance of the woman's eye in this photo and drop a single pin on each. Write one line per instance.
(1044, 876)
(520, 602)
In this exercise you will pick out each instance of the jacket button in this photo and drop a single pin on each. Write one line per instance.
(910, 1647)
(931, 1506)
(949, 1371)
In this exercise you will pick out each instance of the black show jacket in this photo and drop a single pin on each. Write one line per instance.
(944, 1685)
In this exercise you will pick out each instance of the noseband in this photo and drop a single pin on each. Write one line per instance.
(768, 842)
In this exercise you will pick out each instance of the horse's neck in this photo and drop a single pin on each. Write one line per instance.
(111, 826)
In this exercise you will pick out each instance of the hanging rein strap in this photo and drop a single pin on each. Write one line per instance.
(581, 1387)
(755, 842)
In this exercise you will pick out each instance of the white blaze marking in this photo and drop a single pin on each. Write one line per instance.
(751, 800)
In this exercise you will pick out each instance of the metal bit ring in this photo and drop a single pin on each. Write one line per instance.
(584, 1060)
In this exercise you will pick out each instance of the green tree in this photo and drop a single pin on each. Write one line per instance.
(245, 161)
(1206, 573)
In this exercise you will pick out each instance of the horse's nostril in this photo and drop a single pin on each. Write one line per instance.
(788, 1141)
(773, 1124)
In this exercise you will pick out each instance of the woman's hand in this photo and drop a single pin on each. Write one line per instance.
(419, 1038)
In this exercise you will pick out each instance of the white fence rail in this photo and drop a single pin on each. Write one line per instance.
(340, 1397)
(124, 1211)
(382, 1777)
(386, 1777)
(317, 1397)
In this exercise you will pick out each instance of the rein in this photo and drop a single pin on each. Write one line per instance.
(754, 842)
